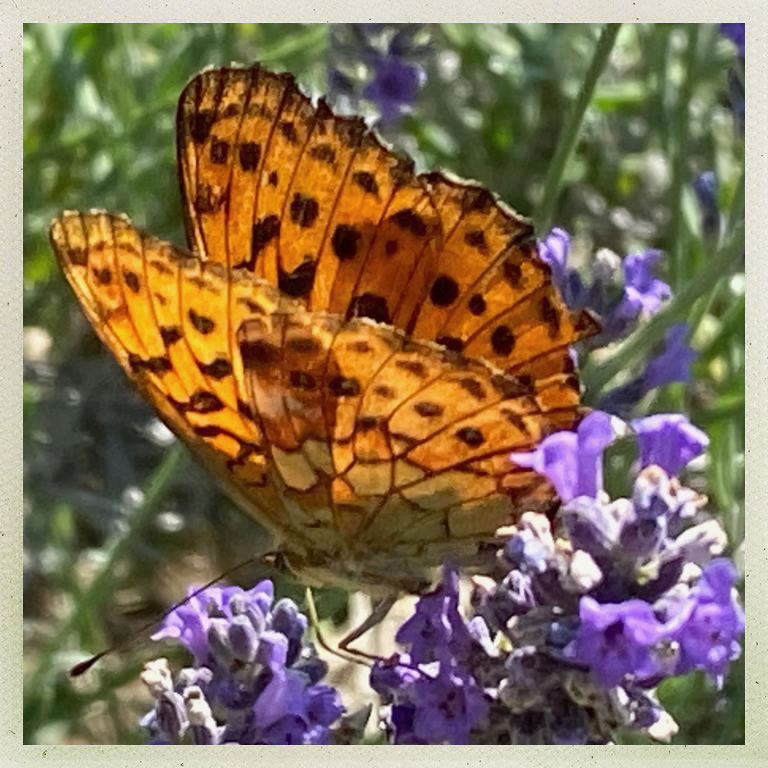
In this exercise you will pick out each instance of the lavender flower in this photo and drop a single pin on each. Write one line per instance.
(251, 667)
(620, 304)
(392, 57)
(668, 440)
(709, 636)
(644, 293)
(608, 600)
(433, 697)
(394, 86)
(585, 616)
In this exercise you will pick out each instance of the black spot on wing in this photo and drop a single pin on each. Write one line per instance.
(324, 153)
(513, 273)
(132, 280)
(304, 210)
(413, 366)
(473, 386)
(263, 231)
(410, 221)
(371, 306)
(471, 436)
(201, 323)
(502, 340)
(103, 275)
(345, 241)
(156, 365)
(444, 291)
(219, 368)
(428, 410)
(451, 342)
(204, 402)
(249, 154)
(366, 181)
(477, 304)
(170, 334)
(199, 125)
(299, 282)
(219, 151)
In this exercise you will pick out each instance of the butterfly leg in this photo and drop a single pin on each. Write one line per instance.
(376, 616)
(323, 643)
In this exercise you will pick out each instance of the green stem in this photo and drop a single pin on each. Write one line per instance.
(680, 162)
(597, 375)
(572, 127)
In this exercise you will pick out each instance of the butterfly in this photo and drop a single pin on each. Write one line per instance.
(352, 349)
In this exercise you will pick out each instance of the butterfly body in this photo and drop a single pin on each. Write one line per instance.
(354, 350)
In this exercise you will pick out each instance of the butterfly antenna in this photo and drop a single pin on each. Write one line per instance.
(352, 655)
(83, 666)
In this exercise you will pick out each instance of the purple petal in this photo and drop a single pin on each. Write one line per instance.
(573, 462)
(614, 639)
(557, 459)
(596, 432)
(668, 440)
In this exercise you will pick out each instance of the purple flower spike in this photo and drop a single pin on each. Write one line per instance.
(709, 638)
(573, 462)
(668, 440)
(674, 363)
(614, 639)
(261, 676)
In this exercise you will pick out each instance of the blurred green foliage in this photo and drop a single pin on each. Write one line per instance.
(117, 523)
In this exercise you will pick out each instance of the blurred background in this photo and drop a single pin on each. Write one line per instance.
(118, 519)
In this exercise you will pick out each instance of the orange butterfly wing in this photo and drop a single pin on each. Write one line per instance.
(355, 349)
